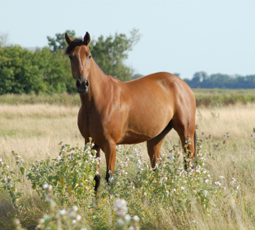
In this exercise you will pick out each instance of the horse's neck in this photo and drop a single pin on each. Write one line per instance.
(98, 86)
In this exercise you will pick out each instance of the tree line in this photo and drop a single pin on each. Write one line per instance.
(47, 70)
(223, 81)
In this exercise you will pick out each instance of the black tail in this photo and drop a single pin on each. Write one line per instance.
(195, 148)
(195, 142)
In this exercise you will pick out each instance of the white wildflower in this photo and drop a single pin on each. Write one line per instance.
(78, 217)
(127, 217)
(75, 208)
(62, 212)
(45, 186)
(167, 193)
(217, 183)
(120, 207)
(41, 221)
(136, 218)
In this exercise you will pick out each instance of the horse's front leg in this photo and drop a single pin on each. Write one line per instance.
(97, 177)
(110, 155)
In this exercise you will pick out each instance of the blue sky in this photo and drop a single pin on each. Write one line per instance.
(178, 36)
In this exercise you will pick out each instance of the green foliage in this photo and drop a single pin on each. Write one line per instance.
(111, 52)
(59, 42)
(47, 70)
(17, 72)
(71, 174)
(10, 180)
(23, 71)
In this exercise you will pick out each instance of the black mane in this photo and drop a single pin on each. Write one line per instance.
(74, 43)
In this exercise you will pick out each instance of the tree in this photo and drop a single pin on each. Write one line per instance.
(59, 42)
(17, 73)
(111, 52)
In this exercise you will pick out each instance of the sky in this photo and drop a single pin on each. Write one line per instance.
(178, 36)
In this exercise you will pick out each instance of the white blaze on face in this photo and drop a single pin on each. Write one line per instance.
(79, 57)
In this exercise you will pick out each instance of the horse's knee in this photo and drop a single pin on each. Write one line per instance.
(97, 179)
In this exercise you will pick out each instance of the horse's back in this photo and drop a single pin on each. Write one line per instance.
(163, 83)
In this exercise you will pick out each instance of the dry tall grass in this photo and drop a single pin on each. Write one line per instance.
(34, 131)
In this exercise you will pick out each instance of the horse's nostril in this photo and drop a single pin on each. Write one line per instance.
(87, 84)
(78, 83)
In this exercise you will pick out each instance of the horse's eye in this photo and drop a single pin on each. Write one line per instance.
(90, 56)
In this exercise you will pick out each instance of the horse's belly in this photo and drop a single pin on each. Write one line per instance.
(131, 137)
(145, 126)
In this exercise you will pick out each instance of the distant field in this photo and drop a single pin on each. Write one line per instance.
(204, 98)
(34, 126)
(223, 97)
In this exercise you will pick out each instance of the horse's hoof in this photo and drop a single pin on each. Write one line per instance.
(97, 180)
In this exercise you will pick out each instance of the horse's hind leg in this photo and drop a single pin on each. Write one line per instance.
(154, 145)
(186, 132)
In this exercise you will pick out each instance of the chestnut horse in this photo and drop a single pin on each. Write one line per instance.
(114, 112)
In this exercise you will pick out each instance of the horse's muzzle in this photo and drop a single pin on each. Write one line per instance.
(82, 86)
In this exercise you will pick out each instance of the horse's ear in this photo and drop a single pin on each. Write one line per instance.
(68, 39)
(86, 39)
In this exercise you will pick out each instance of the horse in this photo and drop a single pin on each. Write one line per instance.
(145, 109)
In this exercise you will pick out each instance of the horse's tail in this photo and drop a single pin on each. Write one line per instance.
(195, 148)
(195, 142)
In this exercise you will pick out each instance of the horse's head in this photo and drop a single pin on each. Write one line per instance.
(80, 57)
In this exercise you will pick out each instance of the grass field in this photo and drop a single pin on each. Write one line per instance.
(220, 195)
(204, 98)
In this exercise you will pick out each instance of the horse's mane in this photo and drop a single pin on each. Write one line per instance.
(73, 44)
